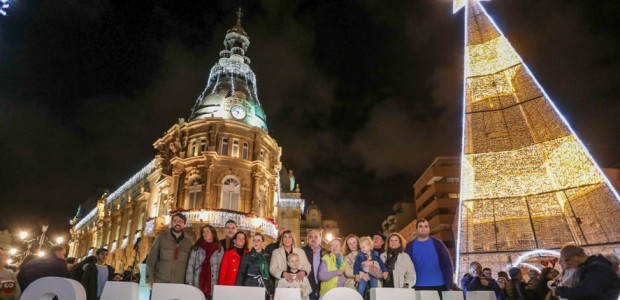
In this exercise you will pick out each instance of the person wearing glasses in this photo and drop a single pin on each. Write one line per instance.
(597, 280)
(167, 260)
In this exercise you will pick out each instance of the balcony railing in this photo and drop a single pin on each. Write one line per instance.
(216, 219)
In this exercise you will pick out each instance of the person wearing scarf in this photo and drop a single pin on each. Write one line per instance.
(231, 261)
(331, 269)
(204, 261)
(401, 273)
(254, 268)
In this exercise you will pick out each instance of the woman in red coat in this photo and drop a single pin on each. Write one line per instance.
(232, 259)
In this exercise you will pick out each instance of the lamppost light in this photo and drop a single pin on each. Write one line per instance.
(23, 235)
(9, 261)
(41, 254)
(12, 251)
(59, 240)
(329, 237)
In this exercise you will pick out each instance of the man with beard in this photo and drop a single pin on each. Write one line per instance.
(167, 259)
(314, 253)
(231, 229)
(431, 259)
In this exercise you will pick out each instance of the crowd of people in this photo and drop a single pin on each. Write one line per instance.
(358, 263)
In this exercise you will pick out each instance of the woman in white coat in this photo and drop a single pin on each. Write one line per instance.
(401, 273)
(278, 266)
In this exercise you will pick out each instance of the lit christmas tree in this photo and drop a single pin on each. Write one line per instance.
(527, 181)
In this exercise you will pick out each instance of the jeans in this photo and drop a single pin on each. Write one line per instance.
(361, 287)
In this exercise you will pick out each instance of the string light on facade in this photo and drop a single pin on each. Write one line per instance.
(527, 181)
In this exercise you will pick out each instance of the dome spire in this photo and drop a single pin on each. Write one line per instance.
(231, 91)
(239, 14)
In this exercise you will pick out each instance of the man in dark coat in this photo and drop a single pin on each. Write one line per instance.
(231, 229)
(475, 280)
(314, 253)
(53, 264)
(96, 275)
(597, 280)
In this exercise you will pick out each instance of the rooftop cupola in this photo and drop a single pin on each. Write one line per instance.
(231, 88)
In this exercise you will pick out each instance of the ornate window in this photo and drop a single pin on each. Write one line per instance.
(224, 146)
(246, 150)
(231, 189)
(203, 145)
(162, 205)
(235, 148)
(193, 149)
(195, 194)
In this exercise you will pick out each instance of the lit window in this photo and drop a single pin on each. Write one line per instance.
(224, 146)
(192, 148)
(246, 150)
(195, 194)
(128, 228)
(230, 193)
(453, 195)
(235, 148)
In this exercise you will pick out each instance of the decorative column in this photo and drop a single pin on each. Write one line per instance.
(208, 202)
(257, 194)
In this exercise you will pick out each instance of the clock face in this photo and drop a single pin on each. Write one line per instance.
(238, 112)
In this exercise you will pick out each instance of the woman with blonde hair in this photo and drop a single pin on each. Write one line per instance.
(331, 269)
(401, 273)
(278, 266)
(351, 247)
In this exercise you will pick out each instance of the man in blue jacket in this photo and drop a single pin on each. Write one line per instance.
(431, 260)
(597, 280)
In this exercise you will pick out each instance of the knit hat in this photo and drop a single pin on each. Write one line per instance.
(514, 272)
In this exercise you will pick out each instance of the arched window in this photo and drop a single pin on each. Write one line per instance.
(195, 194)
(231, 188)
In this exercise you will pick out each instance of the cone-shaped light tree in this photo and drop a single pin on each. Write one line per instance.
(527, 181)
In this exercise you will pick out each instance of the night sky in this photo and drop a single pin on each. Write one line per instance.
(361, 95)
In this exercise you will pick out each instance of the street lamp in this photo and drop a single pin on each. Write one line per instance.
(12, 251)
(59, 240)
(329, 237)
(23, 235)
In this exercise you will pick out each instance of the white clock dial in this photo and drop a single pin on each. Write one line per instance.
(238, 112)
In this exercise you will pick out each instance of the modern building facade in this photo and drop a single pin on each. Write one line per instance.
(221, 164)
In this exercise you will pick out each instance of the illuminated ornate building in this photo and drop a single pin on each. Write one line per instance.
(218, 165)
(527, 181)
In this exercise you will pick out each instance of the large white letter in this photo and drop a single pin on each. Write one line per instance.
(288, 294)
(391, 293)
(225, 292)
(340, 293)
(176, 291)
(452, 295)
(426, 295)
(481, 295)
(47, 287)
(118, 290)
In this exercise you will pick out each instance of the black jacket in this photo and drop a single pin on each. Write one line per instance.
(249, 272)
(89, 280)
(316, 286)
(597, 281)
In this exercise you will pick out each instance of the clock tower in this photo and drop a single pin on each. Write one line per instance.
(231, 88)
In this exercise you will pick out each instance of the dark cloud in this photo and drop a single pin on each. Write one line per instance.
(361, 95)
